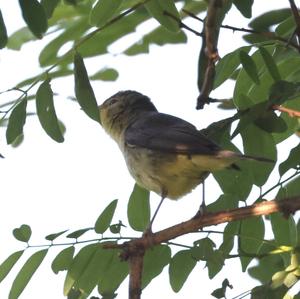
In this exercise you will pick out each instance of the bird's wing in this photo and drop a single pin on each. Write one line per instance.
(167, 133)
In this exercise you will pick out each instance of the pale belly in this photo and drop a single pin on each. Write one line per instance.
(171, 174)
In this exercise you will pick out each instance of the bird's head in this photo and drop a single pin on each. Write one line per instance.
(121, 109)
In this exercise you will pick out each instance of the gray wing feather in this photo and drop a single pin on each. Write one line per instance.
(167, 133)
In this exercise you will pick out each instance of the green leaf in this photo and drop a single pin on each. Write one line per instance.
(270, 64)
(138, 209)
(49, 6)
(78, 233)
(52, 237)
(83, 89)
(63, 260)
(46, 111)
(80, 262)
(26, 273)
(155, 259)
(34, 16)
(103, 11)
(23, 233)
(72, 31)
(16, 122)
(271, 123)
(114, 275)
(291, 162)
(95, 269)
(227, 65)
(284, 230)
(3, 32)
(267, 265)
(245, 7)
(249, 66)
(259, 143)
(158, 8)
(283, 91)
(106, 74)
(181, 265)
(20, 37)
(104, 220)
(8, 264)
(251, 238)
(215, 263)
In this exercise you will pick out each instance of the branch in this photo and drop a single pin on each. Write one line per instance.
(211, 51)
(266, 34)
(134, 250)
(181, 24)
(296, 18)
(291, 112)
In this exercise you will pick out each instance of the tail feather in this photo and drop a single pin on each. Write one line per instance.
(230, 154)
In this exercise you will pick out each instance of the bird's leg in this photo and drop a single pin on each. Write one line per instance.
(202, 208)
(149, 228)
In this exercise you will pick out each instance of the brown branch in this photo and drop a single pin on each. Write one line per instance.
(211, 51)
(290, 112)
(135, 273)
(267, 34)
(134, 250)
(296, 18)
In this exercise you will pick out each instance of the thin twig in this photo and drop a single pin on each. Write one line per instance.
(182, 25)
(267, 34)
(290, 112)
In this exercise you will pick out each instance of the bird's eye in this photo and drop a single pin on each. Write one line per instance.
(112, 101)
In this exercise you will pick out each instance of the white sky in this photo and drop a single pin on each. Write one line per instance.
(53, 186)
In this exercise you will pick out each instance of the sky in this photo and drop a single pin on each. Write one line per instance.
(53, 186)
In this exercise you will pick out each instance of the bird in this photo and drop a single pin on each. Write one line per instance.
(163, 153)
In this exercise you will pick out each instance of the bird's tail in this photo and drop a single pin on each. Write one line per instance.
(230, 154)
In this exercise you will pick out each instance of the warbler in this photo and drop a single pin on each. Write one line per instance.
(163, 153)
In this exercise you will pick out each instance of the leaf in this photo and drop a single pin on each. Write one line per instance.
(114, 275)
(3, 32)
(138, 209)
(181, 265)
(16, 122)
(26, 273)
(8, 264)
(227, 65)
(245, 7)
(270, 64)
(34, 16)
(52, 237)
(95, 269)
(78, 233)
(46, 111)
(107, 74)
(259, 143)
(78, 265)
(23, 233)
(104, 220)
(63, 260)
(283, 91)
(20, 37)
(103, 11)
(249, 66)
(49, 6)
(291, 162)
(155, 259)
(158, 8)
(251, 238)
(83, 89)
(284, 230)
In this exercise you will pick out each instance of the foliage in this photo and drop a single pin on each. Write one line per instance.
(266, 75)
